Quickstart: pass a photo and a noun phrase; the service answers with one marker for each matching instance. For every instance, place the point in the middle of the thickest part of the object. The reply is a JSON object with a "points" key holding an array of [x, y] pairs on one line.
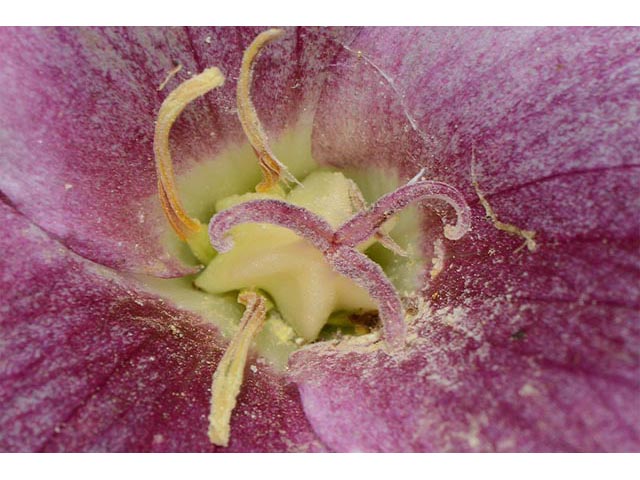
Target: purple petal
{"points": [[77, 115], [512, 351], [91, 363], [515, 351]]}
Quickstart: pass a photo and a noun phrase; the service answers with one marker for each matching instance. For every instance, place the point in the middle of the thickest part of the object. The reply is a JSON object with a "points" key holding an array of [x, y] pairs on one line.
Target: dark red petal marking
{"points": [[302, 221], [363, 225], [370, 276]]}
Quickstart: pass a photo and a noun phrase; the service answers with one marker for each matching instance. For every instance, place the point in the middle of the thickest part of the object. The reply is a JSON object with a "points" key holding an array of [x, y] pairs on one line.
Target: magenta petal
{"points": [[77, 118], [513, 351], [90, 363]]}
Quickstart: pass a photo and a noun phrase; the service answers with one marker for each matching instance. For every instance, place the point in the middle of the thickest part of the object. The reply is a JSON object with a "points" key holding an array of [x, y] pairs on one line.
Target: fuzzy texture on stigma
{"points": [[336, 243]]}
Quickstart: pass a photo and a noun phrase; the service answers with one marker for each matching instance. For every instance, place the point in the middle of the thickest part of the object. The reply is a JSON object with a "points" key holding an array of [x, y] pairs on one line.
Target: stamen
{"points": [[171, 217], [364, 224], [228, 376], [184, 225], [272, 168]]}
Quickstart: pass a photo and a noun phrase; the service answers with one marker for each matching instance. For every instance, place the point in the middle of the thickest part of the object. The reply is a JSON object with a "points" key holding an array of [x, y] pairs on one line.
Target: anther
{"points": [[228, 376], [272, 169], [184, 225]]}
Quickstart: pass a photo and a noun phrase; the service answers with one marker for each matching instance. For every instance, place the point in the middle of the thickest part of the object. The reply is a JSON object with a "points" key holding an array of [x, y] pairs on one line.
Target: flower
{"points": [[509, 348]]}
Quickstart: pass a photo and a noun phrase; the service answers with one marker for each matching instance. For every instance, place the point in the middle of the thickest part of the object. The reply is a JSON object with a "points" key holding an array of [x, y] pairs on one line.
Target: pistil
{"points": [[339, 246]]}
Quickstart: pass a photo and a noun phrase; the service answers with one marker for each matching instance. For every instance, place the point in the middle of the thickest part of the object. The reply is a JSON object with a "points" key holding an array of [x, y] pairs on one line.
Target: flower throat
{"points": [[295, 247]]}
